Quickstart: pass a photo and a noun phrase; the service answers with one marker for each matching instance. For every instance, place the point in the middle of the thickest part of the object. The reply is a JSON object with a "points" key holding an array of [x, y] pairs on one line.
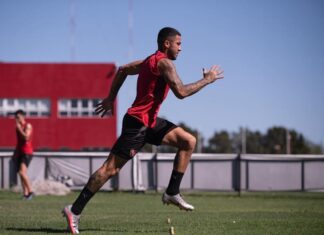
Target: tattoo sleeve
{"points": [[181, 90], [96, 181]]}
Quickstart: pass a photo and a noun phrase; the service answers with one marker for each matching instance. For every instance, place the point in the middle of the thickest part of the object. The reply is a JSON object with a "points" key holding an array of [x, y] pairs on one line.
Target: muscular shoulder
{"points": [[165, 65]]}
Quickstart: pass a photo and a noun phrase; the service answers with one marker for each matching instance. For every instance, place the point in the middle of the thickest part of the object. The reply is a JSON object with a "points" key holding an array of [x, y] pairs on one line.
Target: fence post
{"points": [[303, 175], [2, 173], [155, 165], [46, 168], [239, 173], [247, 175], [192, 184], [90, 166]]}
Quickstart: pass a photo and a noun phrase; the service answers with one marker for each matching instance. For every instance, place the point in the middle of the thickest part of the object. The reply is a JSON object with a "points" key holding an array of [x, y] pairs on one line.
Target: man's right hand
{"points": [[106, 106], [18, 125], [213, 74]]}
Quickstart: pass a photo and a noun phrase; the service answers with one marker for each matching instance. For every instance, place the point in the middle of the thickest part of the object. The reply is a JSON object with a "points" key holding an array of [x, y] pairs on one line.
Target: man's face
{"points": [[20, 118], [173, 45]]}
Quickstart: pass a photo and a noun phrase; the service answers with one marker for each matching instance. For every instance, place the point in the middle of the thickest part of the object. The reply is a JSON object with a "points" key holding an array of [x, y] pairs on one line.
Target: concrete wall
{"points": [[216, 172]]}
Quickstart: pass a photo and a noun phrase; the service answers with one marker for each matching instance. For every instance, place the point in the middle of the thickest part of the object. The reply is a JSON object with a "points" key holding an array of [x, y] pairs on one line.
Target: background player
{"points": [[24, 151]]}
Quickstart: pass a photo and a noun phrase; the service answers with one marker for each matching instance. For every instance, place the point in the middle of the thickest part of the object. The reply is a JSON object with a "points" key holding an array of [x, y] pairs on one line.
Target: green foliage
{"points": [[274, 141], [220, 142], [255, 142], [298, 143]]}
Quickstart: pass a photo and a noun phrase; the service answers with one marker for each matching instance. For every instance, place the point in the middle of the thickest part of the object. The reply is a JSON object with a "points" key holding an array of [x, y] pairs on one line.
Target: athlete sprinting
{"points": [[141, 124]]}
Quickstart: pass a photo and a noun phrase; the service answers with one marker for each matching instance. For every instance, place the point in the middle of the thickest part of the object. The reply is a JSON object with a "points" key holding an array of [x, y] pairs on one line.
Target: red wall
{"points": [[55, 81]]}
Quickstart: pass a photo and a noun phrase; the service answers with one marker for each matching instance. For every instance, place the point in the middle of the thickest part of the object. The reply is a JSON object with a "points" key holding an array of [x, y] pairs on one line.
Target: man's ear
{"points": [[167, 44]]}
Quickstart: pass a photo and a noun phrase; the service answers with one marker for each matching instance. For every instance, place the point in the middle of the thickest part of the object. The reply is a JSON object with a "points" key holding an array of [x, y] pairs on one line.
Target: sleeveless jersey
{"points": [[24, 146], [151, 91]]}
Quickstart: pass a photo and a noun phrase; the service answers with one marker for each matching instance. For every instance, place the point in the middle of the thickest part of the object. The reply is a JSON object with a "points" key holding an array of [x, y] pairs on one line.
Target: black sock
{"points": [[174, 184], [81, 201]]}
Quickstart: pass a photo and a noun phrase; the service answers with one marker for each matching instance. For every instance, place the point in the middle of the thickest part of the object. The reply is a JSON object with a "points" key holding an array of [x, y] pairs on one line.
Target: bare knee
{"points": [[192, 142], [189, 143], [21, 172]]}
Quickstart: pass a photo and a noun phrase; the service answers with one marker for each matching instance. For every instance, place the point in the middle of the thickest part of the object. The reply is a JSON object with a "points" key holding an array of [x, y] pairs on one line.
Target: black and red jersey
{"points": [[151, 91]]}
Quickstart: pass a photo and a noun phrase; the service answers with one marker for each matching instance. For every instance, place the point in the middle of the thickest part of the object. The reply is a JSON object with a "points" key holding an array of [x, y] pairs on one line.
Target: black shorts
{"points": [[20, 158], [135, 135]]}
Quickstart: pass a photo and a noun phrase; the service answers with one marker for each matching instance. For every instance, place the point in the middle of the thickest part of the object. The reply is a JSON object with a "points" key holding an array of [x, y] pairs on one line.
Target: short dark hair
{"points": [[165, 33], [20, 111]]}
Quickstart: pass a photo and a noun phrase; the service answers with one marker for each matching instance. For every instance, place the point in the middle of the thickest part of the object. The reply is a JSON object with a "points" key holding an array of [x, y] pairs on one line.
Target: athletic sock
{"points": [[174, 184], [81, 201]]}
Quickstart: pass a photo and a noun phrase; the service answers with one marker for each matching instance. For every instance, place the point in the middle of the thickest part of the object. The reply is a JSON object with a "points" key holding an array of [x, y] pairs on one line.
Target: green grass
{"points": [[128, 213]]}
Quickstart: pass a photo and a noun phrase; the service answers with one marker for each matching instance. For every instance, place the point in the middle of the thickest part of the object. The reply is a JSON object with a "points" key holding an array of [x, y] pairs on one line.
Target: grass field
{"points": [[129, 213]]}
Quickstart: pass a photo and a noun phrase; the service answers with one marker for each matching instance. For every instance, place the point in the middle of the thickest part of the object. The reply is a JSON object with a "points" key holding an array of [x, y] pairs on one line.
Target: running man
{"points": [[24, 152], [141, 124]]}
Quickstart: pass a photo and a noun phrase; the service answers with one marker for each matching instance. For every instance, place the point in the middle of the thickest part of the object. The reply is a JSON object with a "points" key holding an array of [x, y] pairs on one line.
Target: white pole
{"points": [[72, 30], [288, 138], [199, 142], [130, 29], [243, 132]]}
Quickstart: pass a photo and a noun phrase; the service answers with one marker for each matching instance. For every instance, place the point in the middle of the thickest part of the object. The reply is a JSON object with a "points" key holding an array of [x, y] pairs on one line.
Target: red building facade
{"points": [[59, 100]]}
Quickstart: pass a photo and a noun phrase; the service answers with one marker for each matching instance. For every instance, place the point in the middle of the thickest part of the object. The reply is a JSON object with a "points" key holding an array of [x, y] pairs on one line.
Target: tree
{"points": [[298, 143], [255, 142], [220, 143], [275, 140]]}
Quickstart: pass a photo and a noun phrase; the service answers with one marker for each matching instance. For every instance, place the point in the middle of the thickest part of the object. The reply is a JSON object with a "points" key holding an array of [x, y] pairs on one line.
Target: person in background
{"points": [[24, 152]]}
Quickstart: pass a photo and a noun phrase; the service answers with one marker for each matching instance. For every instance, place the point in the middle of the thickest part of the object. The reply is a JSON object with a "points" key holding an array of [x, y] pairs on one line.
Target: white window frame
{"points": [[66, 110], [32, 106]]}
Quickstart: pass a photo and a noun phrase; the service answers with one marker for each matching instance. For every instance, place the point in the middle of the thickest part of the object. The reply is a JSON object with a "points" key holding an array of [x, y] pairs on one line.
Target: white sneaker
{"points": [[176, 200], [72, 219]]}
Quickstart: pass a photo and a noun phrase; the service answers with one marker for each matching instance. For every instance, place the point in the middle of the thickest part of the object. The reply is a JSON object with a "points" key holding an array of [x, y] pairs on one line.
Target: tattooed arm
{"points": [[168, 72]]}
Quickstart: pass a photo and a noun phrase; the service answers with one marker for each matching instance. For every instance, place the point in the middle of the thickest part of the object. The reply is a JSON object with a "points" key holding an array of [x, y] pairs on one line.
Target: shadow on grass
{"points": [[53, 230], [48, 230]]}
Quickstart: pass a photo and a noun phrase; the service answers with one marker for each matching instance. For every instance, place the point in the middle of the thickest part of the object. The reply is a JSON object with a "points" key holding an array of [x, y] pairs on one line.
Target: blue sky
{"points": [[272, 53]]}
